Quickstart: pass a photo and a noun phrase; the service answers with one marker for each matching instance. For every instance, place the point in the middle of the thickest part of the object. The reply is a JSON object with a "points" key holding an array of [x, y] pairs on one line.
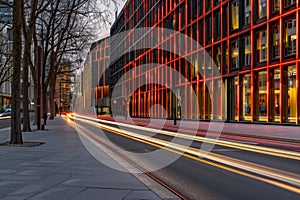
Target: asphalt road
{"points": [[5, 122], [201, 180]]}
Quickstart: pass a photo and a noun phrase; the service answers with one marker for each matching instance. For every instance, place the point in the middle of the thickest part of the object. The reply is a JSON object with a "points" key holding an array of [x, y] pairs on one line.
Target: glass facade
{"points": [[253, 44]]}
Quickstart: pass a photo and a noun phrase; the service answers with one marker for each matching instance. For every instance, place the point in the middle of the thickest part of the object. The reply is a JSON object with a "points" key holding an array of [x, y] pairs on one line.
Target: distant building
{"points": [[5, 56]]}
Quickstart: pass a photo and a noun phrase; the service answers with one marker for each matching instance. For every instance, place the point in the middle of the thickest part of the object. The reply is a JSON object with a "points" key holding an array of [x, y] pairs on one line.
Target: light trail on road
{"points": [[220, 142], [279, 178]]}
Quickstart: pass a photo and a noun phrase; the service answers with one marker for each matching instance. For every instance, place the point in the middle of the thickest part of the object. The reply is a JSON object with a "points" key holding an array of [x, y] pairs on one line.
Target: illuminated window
{"points": [[276, 93], [289, 3], [290, 37], [246, 54], [247, 12], [234, 15], [262, 76], [262, 8], [262, 46], [292, 94], [276, 5], [275, 42], [234, 54]]}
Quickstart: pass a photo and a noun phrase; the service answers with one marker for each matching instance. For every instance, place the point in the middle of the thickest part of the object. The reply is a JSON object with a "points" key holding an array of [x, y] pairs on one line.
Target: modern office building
{"points": [[253, 43], [93, 90]]}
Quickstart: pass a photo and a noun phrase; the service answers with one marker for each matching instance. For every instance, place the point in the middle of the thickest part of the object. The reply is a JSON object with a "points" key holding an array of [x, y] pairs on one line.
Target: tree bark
{"points": [[16, 134], [26, 60], [52, 102]]}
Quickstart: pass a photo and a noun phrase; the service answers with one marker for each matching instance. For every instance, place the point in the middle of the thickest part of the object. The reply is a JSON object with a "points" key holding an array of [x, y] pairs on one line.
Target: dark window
{"points": [[275, 42], [208, 4], [235, 54], [288, 3], [208, 30], [217, 26], [246, 51], [224, 20]]}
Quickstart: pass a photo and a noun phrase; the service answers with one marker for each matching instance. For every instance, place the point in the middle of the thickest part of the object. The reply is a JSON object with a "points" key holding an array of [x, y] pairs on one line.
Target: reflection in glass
{"points": [[275, 42], [290, 37], [246, 91], [276, 105], [262, 45]]}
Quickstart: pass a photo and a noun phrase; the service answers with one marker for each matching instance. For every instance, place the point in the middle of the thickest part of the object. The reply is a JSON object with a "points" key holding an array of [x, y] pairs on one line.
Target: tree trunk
{"points": [[16, 134], [26, 60], [52, 102]]}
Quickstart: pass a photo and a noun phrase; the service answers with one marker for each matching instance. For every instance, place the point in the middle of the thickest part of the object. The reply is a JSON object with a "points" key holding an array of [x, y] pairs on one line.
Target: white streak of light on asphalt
{"points": [[287, 180], [220, 142]]}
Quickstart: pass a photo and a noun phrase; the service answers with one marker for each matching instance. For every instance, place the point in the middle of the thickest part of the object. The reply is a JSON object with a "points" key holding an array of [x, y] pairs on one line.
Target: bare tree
{"points": [[66, 28]]}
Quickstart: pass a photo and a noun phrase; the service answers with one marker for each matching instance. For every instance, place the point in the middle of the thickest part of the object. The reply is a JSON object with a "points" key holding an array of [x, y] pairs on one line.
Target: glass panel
{"points": [[262, 95], [247, 16], [247, 52], [277, 94], [290, 37], [292, 94], [217, 59], [233, 83], [262, 8], [262, 46], [275, 42], [289, 2], [246, 92], [234, 54], [234, 15], [276, 5]]}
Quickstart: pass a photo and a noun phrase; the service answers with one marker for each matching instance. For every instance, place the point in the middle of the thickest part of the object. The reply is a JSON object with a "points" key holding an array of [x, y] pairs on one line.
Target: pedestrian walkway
{"points": [[62, 169]]}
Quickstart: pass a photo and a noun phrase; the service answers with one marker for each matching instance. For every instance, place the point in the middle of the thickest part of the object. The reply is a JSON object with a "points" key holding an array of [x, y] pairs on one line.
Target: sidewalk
{"points": [[61, 169]]}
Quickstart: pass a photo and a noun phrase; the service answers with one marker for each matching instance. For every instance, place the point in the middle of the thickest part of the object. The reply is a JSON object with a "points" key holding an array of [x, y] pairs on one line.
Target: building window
{"points": [[208, 30], [262, 8], [234, 15], [275, 42], [292, 94], [224, 20], [246, 53], [217, 59], [235, 54], [208, 4], [246, 96], [288, 3], [276, 5], [217, 26], [276, 94], [262, 46], [262, 76], [224, 58], [247, 15], [290, 37]]}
